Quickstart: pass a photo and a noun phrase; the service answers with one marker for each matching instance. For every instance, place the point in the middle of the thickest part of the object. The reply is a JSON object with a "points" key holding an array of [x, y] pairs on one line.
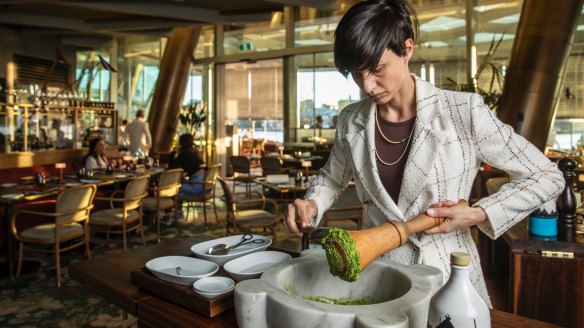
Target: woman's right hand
{"points": [[299, 215]]}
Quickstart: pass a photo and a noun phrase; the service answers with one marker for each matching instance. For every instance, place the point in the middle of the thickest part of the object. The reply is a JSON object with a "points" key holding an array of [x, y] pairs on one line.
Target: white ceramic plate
{"points": [[8, 185], [191, 269], [252, 265], [213, 286], [286, 186], [13, 196], [201, 249], [72, 184], [277, 178]]}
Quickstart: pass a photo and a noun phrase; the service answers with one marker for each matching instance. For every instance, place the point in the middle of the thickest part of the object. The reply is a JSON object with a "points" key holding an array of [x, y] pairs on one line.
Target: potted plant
{"points": [[191, 118]]}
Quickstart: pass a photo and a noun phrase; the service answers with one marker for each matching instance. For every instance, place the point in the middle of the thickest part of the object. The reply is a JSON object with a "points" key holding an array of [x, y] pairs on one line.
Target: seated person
{"points": [[188, 159], [95, 158]]}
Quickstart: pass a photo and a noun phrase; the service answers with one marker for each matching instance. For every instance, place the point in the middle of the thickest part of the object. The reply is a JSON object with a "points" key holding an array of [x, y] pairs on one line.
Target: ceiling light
{"points": [[442, 24], [501, 5], [511, 19]]}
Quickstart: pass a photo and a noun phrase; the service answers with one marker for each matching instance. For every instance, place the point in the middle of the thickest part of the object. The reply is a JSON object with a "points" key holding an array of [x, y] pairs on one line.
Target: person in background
{"points": [[334, 122], [318, 123], [413, 148], [95, 158], [138, 134], [188, 158], [123, 140], [57, 135]]}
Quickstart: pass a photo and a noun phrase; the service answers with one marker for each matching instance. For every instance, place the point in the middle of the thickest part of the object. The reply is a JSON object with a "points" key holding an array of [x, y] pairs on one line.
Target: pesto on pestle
{"points": [[347, 244]]}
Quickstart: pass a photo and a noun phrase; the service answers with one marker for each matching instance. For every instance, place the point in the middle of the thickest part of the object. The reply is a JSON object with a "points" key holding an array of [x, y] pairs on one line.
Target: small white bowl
{"points": [[252, 266], [213, 286], [192, 269]]}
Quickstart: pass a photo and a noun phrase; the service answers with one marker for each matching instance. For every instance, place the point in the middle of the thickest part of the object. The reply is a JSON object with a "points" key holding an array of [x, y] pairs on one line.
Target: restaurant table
{"points": [[283, 188], [109, 277]]}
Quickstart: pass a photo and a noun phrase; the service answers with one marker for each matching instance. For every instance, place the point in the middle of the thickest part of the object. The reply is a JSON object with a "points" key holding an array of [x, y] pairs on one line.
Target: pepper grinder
{"points": [[567, 202]]}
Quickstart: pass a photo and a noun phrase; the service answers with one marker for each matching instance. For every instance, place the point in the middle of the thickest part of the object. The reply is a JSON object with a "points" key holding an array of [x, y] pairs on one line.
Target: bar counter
{"points": [[109, 277]]}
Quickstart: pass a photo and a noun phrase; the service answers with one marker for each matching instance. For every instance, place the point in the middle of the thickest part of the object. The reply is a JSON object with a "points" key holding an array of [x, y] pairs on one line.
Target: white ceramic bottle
{"points": [[457, 303]]}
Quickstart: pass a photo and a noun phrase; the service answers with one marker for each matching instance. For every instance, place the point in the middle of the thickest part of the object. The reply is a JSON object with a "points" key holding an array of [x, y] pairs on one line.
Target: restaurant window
{"points": [[314, 27], [198, 95], [321, 91], [93, 80], [138, 68], [253, 100], [206, 44], [440, 56], [567, 132], [255, 37]]}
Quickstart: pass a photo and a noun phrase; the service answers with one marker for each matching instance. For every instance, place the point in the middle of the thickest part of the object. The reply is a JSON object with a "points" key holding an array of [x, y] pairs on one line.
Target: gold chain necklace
{"points": [[402, 154], [386, 138]]}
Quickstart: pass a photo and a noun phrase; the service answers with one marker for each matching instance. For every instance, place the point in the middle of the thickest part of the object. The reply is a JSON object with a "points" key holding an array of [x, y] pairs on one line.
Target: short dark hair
{"points": [[368, 29], [140, 113], [186, 140]]}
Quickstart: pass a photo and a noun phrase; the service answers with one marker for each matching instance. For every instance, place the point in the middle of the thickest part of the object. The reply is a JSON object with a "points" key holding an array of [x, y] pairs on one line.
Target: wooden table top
{"points": [[520, 241], [109, 277], [282, 187]]}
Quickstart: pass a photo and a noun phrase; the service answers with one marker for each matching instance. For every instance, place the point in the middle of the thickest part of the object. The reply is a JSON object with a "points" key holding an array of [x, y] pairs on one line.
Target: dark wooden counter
{"points": [[543, 287], [540, 287], [109, 277]]}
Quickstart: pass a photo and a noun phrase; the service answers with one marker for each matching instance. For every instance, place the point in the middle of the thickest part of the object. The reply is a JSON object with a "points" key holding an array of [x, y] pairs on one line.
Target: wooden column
{"points": [[170, 87], [536, 71]]}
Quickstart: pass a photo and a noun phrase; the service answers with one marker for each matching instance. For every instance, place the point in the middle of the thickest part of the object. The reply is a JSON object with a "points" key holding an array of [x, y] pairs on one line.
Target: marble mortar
{"points": [[277, 299]]}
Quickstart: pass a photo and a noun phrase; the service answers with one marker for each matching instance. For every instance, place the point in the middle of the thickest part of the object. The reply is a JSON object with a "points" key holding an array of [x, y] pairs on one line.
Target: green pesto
{"points": [[290, 288], [343, 300], [335, 260]]}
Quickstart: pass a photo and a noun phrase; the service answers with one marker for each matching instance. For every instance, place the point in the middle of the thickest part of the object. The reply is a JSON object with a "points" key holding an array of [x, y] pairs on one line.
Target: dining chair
{"points": [[128, 217], [208, 195], [164, 202], [271, 165], [68, 230], [240, 214], [241, 166], [346, 212]]}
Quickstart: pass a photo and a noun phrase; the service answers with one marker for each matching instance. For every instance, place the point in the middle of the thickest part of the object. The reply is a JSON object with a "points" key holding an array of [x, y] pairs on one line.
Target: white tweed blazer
{"points": [[454, 133]]}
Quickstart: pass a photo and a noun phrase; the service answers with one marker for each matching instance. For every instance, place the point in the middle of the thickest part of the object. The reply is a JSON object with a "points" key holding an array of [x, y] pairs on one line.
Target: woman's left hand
{"points": [[457, 214]]}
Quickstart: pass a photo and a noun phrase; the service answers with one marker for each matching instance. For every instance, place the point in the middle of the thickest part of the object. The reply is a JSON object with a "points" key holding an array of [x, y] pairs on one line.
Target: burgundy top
{"points": [[392, 175]]}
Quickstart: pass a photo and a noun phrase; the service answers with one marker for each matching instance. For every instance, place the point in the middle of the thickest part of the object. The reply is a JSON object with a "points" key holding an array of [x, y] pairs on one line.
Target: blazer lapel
{"points": [[362, 144], [426, 145]]}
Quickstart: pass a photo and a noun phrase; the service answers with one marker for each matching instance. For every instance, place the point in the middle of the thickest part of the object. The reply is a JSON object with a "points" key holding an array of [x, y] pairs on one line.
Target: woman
{"points": [[95, 159], [414, 148], [188, 159]]}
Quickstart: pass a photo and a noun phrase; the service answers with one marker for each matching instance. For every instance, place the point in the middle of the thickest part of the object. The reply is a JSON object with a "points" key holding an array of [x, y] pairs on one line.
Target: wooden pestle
{"points": [[373, 242]]}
